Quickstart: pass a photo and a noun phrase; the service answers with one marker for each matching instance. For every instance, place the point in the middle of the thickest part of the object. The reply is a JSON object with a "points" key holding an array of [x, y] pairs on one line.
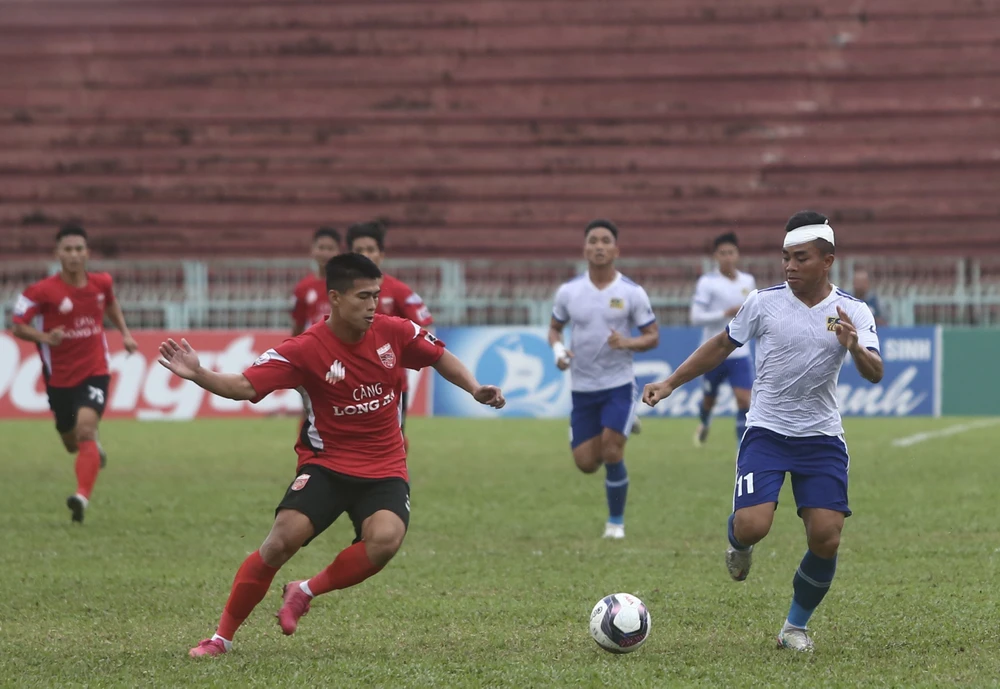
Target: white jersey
{"points": [[713, 296], [798, 358], [593, 314]]}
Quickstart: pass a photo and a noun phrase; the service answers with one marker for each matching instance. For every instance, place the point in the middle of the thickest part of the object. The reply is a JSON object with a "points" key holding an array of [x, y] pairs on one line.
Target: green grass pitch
{"points": [[502, 564]]}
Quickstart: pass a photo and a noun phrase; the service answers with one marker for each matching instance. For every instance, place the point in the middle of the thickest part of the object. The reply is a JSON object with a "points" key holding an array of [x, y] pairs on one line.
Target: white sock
{"points": [[306, 590], [788, 625], [228, 644], [82, 499]]}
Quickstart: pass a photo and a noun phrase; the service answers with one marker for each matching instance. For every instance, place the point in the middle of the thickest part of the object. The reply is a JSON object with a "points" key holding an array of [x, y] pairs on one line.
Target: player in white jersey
{"points": [[603, 307], [717, 297], [804, 329]]}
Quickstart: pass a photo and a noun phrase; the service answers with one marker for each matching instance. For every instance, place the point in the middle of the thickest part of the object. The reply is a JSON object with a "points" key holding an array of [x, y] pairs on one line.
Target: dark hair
{"points": [[727, 238], [803, 218], [342, 270], [601, 222], [70, 231], [329, 232], [373, 230]]}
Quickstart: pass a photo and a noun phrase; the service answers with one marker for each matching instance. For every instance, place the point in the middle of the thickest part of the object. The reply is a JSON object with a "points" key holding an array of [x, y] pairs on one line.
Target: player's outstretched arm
{"points": [[183, 361], [455, 372], [704, 359]]}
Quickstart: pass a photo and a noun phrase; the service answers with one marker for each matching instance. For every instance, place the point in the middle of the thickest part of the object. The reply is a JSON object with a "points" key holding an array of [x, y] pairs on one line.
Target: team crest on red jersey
{"points": [[300, 482], [386, 355]]}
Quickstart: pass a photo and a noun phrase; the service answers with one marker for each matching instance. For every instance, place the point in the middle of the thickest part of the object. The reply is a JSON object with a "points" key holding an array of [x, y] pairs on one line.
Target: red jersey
{"points": [[310, 304], [397, 299], [51, 303], [354, 427]]}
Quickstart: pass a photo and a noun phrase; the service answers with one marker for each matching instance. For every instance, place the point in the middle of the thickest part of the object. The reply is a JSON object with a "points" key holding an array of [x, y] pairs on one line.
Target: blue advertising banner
{"points": [[519, 360]]}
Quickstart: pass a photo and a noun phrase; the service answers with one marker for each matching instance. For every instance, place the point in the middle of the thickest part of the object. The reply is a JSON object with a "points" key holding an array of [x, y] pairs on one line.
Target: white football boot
{"points": [[795, 639], [614, 531]]}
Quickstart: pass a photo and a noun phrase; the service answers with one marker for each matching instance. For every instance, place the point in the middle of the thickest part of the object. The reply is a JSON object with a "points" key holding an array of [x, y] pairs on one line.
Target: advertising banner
{"points": [[142, 389], [520, 361]]}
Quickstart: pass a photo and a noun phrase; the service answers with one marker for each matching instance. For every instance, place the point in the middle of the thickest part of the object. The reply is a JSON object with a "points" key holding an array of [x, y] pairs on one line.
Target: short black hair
{"points": [[727, 238], [803, 218], [329, 232], [373, 230], [342, 270], [70, 231], [601, 222]]}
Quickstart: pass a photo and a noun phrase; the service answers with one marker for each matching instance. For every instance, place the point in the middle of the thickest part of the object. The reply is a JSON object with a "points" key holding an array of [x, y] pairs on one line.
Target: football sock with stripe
{"points": [[616, 486], [809, 585]]}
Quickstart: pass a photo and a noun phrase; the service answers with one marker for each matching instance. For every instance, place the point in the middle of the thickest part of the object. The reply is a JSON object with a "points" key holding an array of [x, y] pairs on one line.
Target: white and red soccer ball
{"points": [[620, 623]]}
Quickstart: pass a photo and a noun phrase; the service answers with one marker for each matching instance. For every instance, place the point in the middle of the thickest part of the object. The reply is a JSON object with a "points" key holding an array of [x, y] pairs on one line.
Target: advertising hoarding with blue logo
{"points": [[519, 360]]}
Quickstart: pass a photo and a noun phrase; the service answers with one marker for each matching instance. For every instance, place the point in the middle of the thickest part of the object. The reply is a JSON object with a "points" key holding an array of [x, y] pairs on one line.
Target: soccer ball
{"points": [[620, 623]]}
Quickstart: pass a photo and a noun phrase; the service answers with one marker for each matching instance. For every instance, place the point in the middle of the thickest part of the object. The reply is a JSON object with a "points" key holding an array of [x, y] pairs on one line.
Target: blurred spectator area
{"points": [[184, 128]]}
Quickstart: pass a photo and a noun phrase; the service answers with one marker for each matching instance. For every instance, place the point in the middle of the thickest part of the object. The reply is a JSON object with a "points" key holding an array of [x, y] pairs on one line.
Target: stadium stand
{"points": [[214, 129]]}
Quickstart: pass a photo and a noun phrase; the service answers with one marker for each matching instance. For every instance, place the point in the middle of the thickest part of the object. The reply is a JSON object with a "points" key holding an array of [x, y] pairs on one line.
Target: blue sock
{"points": [[732, 538], [811, 582], [705, 415], [616, 485], [741, 423]]}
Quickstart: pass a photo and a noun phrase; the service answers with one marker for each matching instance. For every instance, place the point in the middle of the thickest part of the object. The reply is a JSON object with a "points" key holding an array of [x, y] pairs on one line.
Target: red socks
{"points": [[253, 579], [350, 568], [88, 464]]}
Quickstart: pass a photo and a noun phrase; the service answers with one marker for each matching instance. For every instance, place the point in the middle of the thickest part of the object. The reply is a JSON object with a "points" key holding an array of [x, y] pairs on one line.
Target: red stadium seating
{"points": [[182, 128]]}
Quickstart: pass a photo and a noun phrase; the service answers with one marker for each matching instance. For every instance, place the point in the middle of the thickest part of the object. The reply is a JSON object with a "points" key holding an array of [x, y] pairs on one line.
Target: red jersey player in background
{"points": [[351, 459], [64, 315], [309, 303], [396, 298]]}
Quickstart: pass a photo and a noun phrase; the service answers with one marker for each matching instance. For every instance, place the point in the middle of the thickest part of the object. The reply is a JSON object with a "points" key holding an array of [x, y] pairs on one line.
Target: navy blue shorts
{"points": [[739, 373], [818, 465], [594, 411]]}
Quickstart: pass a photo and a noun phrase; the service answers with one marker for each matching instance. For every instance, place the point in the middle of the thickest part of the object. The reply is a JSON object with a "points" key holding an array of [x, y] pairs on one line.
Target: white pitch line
{"points": [[944, 432]]}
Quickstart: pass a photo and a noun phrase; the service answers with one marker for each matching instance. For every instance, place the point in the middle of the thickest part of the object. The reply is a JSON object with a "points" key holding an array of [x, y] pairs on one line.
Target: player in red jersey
{"points": [[350, 452], [64, 316], [396, 298], [309, 302]]}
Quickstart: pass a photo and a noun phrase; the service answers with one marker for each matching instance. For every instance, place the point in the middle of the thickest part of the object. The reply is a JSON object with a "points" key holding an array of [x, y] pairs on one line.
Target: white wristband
{"points": [[560, 351]]}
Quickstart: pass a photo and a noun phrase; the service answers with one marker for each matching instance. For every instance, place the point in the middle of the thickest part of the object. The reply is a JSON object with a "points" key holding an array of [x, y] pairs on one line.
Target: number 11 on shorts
{"points": [[740, 481]]}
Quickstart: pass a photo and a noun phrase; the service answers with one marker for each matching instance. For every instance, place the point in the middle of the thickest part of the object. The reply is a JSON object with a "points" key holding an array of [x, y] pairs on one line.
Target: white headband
{"points": [[808, 233]]}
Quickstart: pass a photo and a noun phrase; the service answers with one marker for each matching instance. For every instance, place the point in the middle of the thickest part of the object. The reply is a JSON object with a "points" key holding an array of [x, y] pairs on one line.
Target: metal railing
{"points": [[180, 295]]}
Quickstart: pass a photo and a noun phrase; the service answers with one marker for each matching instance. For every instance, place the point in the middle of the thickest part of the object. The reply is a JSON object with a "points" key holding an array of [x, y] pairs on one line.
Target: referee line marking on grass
{"points": [[944, 432]]}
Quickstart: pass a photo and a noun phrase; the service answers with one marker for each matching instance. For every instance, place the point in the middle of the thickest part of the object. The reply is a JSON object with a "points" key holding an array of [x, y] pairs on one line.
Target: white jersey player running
{"points": [[717, 297], [602, 307], [804, 329]]}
